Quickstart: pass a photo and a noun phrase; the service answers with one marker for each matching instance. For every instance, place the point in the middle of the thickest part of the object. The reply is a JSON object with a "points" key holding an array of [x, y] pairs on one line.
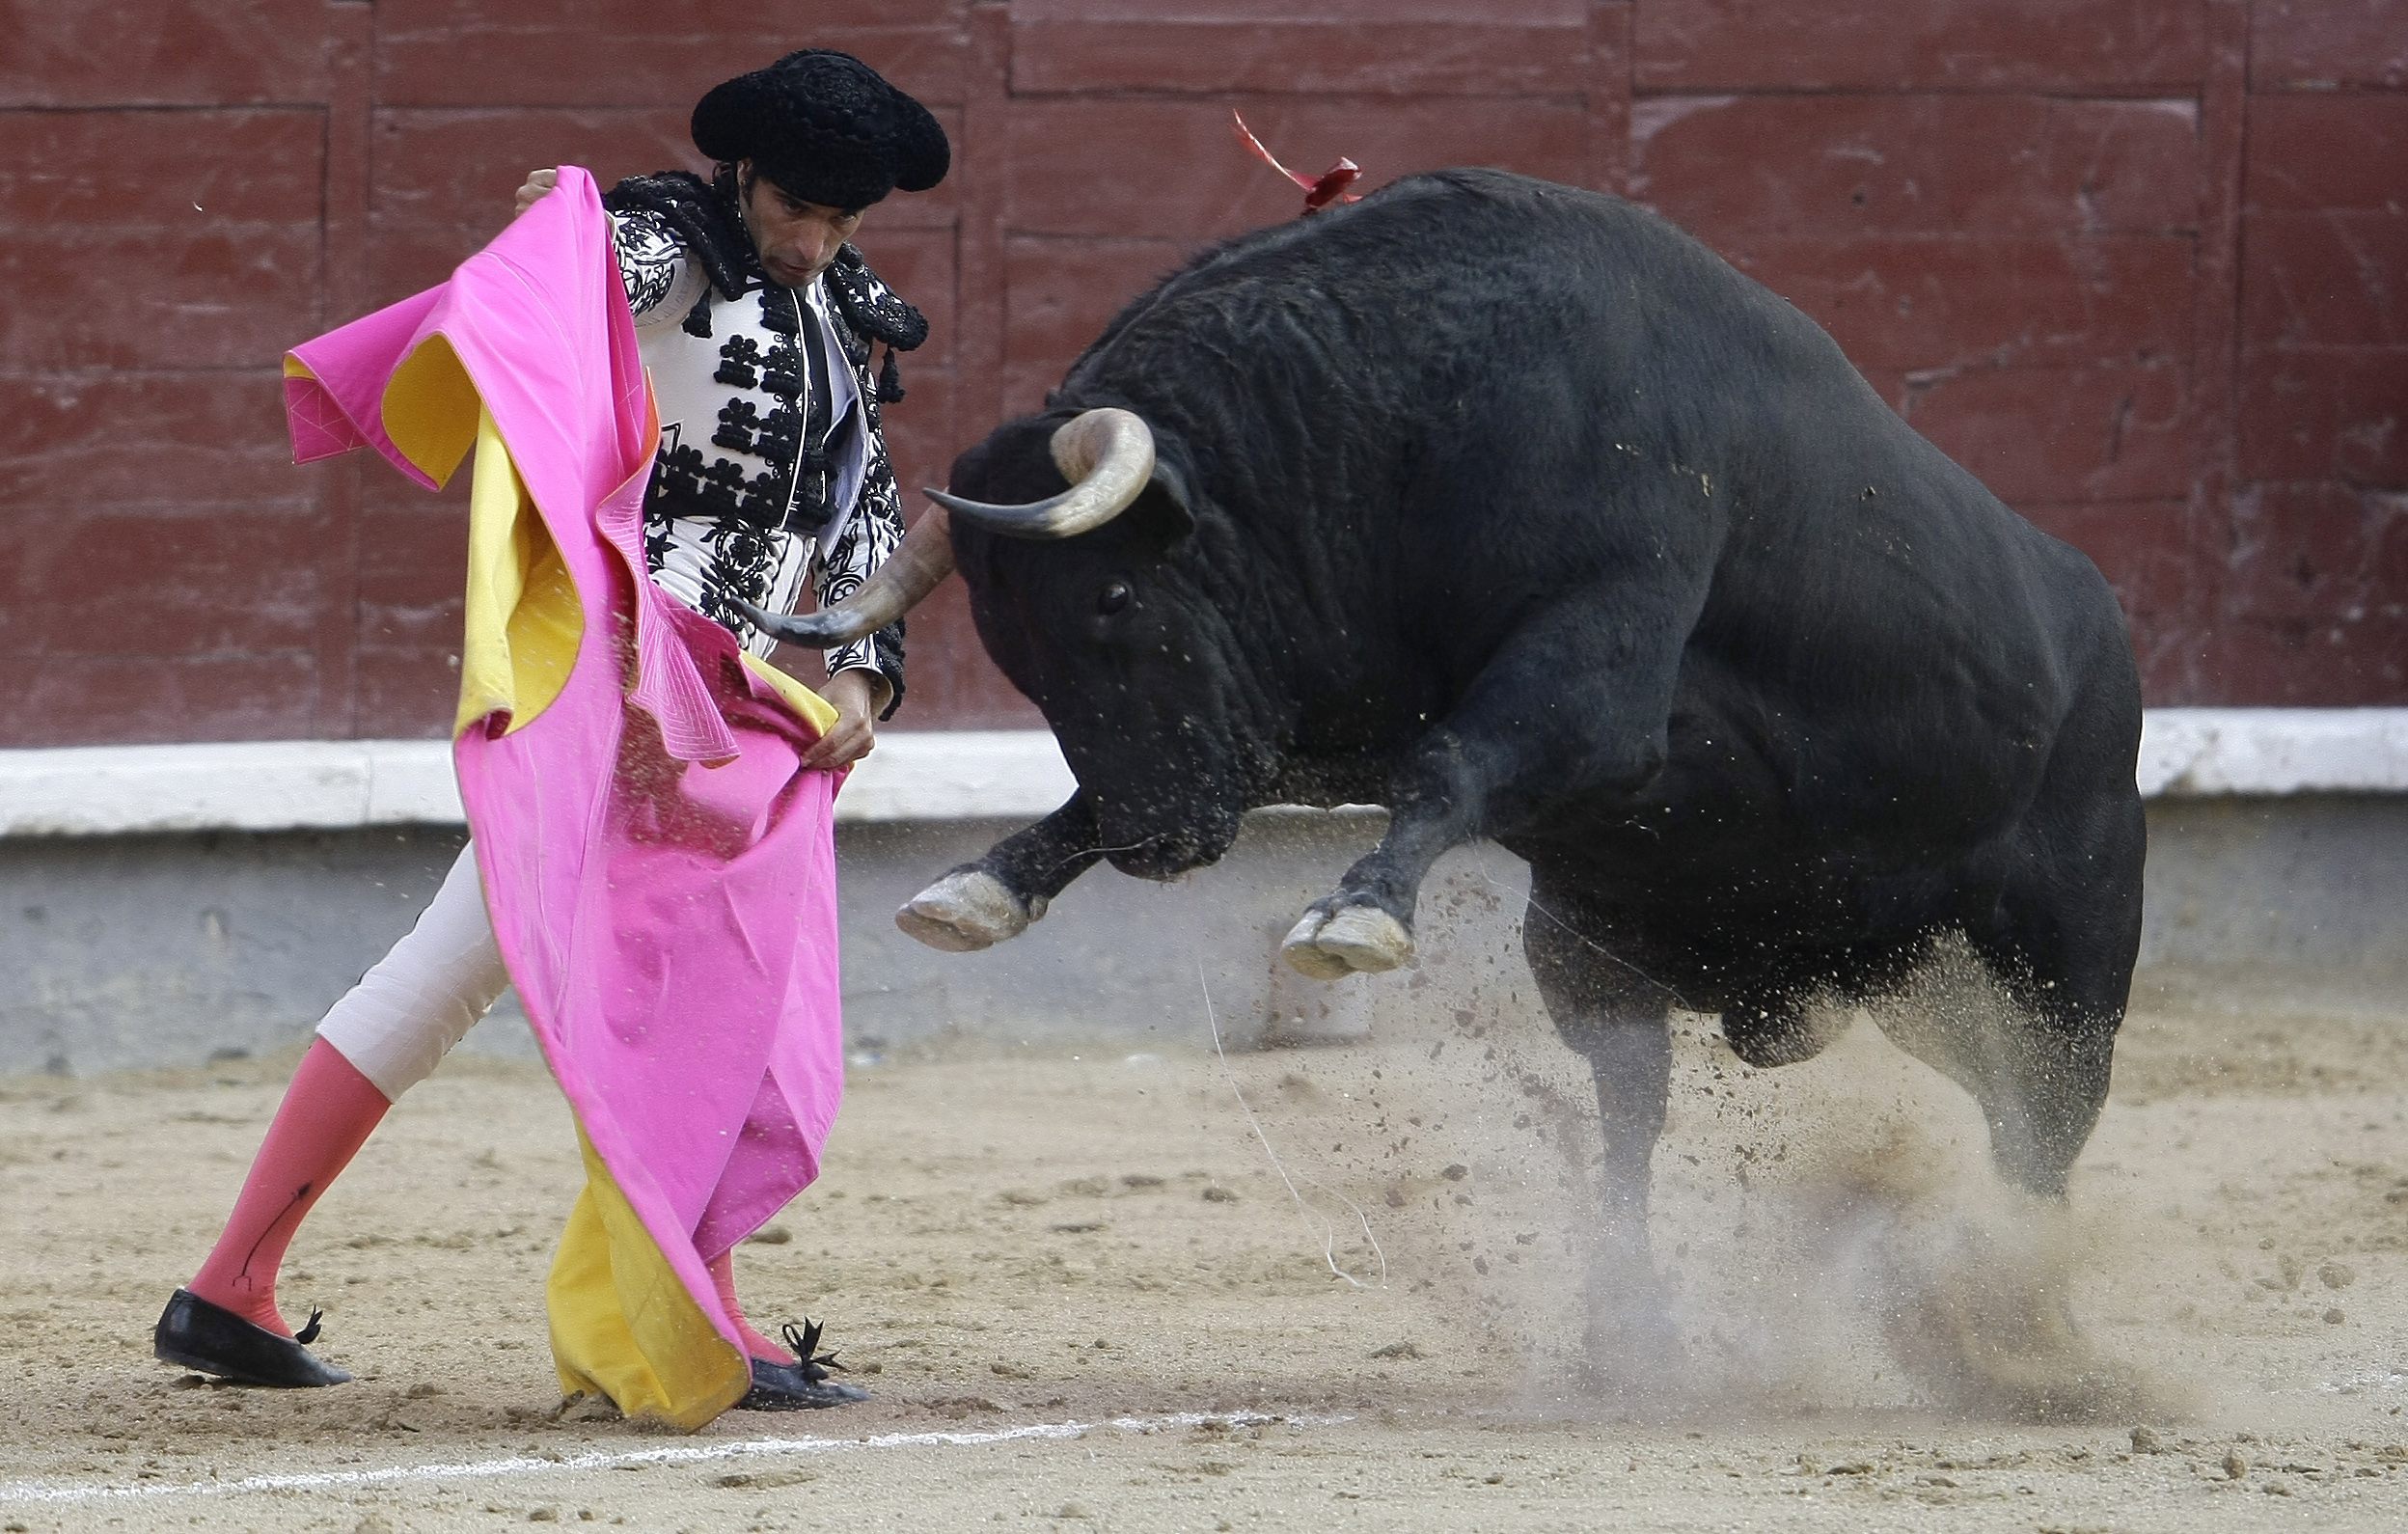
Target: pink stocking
{"points": [[325, 1117], [723, 1279]]}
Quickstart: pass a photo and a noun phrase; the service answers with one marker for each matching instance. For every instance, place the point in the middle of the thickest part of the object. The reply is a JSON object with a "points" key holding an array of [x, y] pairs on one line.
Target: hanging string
{"points": [[1312, 1216]]}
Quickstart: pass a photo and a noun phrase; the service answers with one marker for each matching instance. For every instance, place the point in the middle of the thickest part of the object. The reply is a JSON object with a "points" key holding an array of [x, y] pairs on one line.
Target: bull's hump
{"points": [[1418, 234]]}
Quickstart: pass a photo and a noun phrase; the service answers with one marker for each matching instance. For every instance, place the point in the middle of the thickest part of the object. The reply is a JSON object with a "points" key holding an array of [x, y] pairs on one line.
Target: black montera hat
{"points": [[824, 127]]}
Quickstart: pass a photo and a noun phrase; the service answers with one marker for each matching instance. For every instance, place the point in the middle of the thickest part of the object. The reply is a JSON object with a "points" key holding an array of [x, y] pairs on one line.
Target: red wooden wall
{"points": [[2143, 265]]}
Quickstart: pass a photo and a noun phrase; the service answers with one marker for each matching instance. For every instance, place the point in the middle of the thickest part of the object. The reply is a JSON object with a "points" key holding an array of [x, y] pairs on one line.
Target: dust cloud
{"points": [[1823, 1237]]}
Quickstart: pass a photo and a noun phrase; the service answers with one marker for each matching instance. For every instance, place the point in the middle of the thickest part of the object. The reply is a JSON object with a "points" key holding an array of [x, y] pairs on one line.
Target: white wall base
{"points": [[966, 775], [336, 784], [2209, 753]]}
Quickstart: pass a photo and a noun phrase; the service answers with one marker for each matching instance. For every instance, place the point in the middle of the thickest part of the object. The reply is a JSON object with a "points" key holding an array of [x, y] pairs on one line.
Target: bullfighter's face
{"points": [[1118, 636], [796, 241]]}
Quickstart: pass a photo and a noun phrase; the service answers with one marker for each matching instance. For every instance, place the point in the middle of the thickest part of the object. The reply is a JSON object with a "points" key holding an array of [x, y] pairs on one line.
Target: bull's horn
{"points": [[1108, 457], [924, 558]]}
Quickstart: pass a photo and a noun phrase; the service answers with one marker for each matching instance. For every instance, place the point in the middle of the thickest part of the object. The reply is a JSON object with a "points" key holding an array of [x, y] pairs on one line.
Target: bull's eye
{"points": [[1113, 598]]}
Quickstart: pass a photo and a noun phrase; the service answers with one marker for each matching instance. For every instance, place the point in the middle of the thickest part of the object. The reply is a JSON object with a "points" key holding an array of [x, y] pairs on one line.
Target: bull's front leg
{"points": [[1577, 703], [1367, 925], [980, 904]]}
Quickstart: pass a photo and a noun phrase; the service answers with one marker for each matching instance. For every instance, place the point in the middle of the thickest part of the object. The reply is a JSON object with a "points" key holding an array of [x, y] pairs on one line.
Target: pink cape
{"points": [[658, 864]]}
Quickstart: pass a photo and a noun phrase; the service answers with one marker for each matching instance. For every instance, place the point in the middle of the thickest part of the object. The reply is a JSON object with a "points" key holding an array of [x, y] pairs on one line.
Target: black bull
{"points": [[1514, 509]]}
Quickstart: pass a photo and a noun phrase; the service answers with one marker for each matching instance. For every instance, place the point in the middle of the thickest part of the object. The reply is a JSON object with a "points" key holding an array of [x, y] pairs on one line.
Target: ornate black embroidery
{"points": [[849, 340], [656, 541], [739, 425], [647, 259], [782, 434], [781, 371], [703, 215], [865, 305], [765, 499], [739, 363], [872, 307]]}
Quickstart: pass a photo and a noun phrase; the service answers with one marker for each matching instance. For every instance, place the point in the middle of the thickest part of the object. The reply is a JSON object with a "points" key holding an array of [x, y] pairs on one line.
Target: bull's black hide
{"points": [[1513, 508]]}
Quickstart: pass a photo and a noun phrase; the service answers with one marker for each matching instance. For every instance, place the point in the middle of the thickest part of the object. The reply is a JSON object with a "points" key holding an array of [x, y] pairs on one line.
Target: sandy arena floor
{"points": [[1014, 1248]]}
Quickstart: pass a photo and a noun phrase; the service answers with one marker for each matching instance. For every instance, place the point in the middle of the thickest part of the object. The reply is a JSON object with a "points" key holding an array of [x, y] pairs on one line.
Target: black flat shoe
{"points": [[802, 1386], [196, 1335]]}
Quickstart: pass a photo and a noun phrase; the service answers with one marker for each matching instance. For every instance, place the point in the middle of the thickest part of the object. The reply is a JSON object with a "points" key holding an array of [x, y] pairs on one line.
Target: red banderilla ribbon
{"points": [[1331, 186]]}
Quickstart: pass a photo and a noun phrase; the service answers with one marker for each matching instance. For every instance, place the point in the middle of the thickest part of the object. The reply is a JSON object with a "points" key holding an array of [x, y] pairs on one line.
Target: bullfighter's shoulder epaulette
{"points": [[876, 312], [703, 216]]}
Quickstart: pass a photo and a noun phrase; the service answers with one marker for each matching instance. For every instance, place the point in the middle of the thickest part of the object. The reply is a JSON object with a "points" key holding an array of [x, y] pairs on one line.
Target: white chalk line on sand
{"points": [[607, 1460]]}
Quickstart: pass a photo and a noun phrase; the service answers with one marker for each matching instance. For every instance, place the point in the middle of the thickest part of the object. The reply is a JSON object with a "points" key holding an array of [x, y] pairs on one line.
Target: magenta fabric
{"points": [[658, 864]]}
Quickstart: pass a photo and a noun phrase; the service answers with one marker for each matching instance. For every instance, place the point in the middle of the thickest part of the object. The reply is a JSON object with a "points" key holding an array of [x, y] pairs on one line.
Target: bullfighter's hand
{"points": [[531, 189], [855, 692]]}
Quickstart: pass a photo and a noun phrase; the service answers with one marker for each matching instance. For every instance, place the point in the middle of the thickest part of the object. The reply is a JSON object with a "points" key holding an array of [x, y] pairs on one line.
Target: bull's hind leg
{"points": [[2064, 940], [2065, 958], [1616, 1020], [2060, 946], [1574, 706]]}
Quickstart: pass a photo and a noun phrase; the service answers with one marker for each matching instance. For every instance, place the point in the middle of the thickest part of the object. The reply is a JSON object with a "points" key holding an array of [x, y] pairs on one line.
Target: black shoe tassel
{"points": [[805, 1341]]}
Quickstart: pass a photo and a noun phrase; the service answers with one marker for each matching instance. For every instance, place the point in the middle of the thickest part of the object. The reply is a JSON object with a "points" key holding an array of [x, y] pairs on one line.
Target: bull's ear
{"points": [[1165, 510]]}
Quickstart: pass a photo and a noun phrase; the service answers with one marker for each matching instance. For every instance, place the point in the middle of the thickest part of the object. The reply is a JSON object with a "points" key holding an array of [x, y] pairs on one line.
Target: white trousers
{"points": [[405, 1014]]}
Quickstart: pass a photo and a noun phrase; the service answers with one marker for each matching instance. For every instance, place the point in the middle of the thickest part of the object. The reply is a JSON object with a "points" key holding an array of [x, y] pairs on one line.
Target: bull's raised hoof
{"points": [[968, 909], [1330, 945]]}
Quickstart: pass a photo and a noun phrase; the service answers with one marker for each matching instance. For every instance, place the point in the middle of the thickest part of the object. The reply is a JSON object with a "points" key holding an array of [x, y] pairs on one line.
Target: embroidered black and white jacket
{"points": [[772, 467]]}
